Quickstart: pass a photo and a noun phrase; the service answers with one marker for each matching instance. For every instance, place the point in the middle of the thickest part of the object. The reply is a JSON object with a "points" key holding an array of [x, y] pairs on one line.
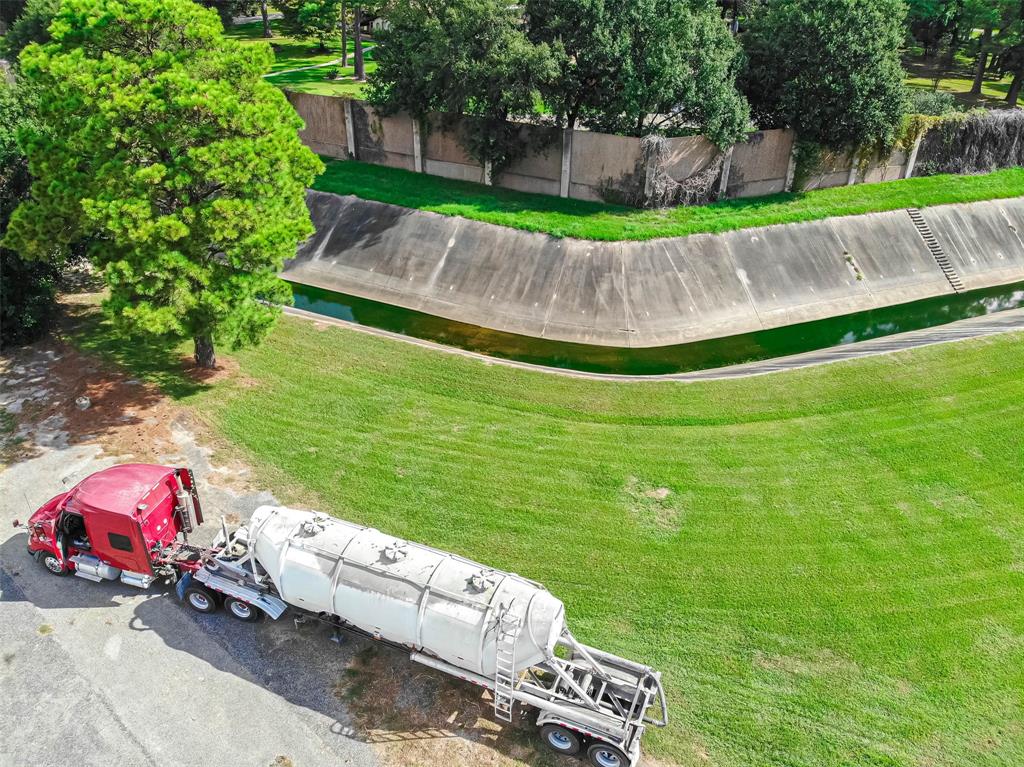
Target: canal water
{"points": [[719, 352]]}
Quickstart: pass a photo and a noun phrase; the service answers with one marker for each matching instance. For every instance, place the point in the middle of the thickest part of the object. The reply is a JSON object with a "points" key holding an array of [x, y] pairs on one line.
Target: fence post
{"points": [[350, 131], [417, 147], [723, 183], [563, 180], [487, 173], [912, 157]]}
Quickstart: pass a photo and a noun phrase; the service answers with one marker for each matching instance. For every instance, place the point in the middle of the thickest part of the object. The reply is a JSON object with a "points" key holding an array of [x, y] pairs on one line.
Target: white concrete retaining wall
{"points": [[652, 293]]}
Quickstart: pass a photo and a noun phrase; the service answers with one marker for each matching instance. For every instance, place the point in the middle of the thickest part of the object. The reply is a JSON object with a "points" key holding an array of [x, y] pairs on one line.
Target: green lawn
{"points": [[291, 53], [957, 78], [597, 221], [836, 576]]}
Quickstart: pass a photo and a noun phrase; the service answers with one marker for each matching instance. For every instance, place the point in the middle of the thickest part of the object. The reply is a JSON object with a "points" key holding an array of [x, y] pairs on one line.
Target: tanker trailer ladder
{"points": [[505, 666]]}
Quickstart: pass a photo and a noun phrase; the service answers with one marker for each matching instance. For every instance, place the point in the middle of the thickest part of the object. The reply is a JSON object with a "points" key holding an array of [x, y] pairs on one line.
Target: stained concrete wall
{"points": [[760, 165], [325, 131], [653, 293], [599, 161]]}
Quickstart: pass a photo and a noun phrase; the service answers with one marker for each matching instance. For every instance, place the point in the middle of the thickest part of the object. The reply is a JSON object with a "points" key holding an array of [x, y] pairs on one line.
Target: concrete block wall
{"points": [[579, 164], [760, 165], [444, 156], [598, 160], [325, 132]]}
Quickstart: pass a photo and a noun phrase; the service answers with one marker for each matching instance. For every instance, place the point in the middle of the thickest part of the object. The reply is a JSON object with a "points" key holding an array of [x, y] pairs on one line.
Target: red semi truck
{"points": [[126, 522]]}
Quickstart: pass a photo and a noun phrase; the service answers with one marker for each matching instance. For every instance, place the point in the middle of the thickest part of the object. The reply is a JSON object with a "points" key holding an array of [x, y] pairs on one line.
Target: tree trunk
{"points": [[357, 34], [979, 70], [205, 358], [266, 19], [1018, 80], [344, 33]]}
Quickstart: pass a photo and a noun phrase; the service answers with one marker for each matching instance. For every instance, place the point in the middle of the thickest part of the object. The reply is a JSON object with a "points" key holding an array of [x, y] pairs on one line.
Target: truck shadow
{"points": [[413, 715]]}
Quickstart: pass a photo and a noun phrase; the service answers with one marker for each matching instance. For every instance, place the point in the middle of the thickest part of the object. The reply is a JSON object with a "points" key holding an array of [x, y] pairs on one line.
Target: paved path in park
{"points": [[974, 327]]}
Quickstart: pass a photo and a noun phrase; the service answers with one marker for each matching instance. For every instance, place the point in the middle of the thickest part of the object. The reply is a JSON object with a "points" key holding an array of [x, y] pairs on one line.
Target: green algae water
{"points": [[660, 360]]}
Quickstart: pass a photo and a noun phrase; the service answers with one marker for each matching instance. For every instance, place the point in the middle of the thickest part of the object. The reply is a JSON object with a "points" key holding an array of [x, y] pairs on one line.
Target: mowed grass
{"points": [[827, 565], [292, 53], [598, 221], [957, 78]]}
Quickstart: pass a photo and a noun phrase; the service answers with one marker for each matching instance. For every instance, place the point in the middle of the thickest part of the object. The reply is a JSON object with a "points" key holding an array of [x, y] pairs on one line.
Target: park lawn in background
{"points": [[316, 80], [826, 564], [291, 53], [598, 221], [956, 78]]}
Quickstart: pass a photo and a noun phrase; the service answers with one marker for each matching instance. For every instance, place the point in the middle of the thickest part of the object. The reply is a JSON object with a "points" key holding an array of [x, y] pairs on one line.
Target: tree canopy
{"points": [[317, 20], [830, 69], [27, 288], [31, 26], [170, 153], [634, 67], [462, 57], [642, 66]]}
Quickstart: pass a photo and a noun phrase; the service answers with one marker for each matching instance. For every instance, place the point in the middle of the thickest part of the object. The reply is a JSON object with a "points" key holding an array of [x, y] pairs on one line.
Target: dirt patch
{"points": [[655, 507], [414, 716], [124, 415]]}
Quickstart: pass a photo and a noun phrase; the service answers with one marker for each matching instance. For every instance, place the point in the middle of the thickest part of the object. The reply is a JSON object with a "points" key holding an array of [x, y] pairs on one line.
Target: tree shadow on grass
{"points": [[157, 360]]}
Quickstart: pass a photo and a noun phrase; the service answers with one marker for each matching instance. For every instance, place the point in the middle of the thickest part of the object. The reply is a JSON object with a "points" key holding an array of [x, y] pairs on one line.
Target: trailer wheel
{"points": [[243, 611], [201, 599], [49, 560], [604, 755], [560, 739]]}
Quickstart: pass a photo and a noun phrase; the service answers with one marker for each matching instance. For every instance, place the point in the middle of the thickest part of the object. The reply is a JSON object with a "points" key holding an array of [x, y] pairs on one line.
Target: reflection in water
{"points": [[764, 344]]}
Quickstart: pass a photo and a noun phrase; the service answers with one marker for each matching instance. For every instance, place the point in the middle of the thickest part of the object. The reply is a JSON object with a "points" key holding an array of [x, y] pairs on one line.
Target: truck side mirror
{"points": [[17, 523]]}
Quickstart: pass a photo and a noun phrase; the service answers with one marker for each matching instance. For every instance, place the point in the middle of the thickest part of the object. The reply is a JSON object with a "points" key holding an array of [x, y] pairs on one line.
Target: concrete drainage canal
{"points": [[663, 360]]}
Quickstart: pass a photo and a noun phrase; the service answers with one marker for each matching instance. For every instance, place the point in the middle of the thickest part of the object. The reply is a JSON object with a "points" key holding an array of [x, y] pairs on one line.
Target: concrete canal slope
{"points": [[657, 292]]}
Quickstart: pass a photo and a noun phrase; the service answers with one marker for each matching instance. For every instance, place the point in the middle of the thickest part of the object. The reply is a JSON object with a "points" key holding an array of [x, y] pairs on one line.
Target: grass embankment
{"points": [[598, 221], [291, 53], [828, 565]]}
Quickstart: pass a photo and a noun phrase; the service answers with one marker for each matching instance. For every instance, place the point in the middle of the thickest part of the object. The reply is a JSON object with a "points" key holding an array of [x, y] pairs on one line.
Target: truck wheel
{"points": [[560, 739], [200, 599], [49, 560], [243, 611], [604, 755]]}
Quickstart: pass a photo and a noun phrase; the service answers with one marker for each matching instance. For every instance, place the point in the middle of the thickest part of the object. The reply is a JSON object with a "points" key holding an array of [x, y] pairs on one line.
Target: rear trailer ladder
{"points": [[505, 666]]}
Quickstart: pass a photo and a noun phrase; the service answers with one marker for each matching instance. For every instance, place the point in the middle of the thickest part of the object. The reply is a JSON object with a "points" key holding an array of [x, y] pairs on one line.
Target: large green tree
{"points": [[642, 66], [312, 19], [167, 149], [462, 57], [677, 73], [830, 69], [588, 49]]}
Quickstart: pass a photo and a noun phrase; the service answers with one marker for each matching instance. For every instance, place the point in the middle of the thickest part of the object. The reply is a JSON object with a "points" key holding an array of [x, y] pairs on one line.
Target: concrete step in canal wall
{"points": [[658, 292]]}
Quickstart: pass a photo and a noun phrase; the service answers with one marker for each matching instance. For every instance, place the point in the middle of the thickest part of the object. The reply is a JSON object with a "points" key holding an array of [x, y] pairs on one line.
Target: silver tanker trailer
{"points": [[492, 628]]}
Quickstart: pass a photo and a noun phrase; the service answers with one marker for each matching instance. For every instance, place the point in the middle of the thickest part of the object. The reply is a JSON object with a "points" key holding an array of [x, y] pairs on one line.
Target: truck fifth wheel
{"points": [[492, 628]]}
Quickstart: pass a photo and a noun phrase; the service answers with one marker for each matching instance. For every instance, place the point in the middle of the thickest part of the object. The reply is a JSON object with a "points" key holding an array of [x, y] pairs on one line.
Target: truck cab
{"points": [[116, 523]]}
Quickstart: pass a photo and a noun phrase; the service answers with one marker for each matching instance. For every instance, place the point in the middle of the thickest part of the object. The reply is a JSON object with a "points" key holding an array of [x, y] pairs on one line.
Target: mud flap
{"points": [[186, 579]]}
